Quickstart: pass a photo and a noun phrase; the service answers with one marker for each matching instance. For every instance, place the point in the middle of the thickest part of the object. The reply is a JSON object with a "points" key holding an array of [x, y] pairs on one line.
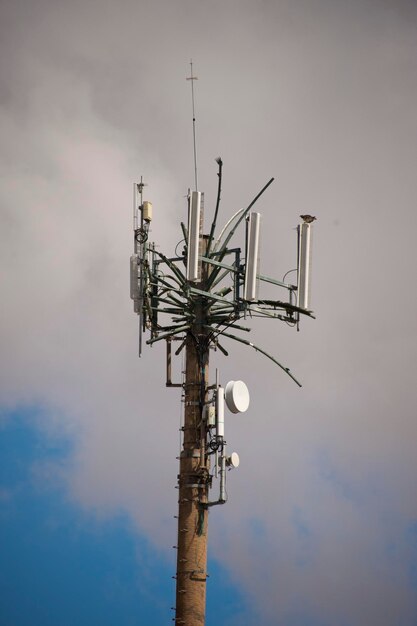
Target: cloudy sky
{"points": [[321, 524]]}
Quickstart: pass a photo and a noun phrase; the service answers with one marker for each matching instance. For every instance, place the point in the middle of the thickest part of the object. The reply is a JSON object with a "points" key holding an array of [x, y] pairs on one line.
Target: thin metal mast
{"points": [[192, 78]]}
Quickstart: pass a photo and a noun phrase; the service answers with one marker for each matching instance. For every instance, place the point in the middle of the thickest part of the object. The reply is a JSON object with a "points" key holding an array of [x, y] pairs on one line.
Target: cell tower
{"points": [[194, 301]]}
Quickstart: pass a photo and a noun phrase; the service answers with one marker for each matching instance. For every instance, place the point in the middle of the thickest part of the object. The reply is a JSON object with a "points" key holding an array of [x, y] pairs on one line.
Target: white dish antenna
{"points": [[237, 396], [233, 460]]}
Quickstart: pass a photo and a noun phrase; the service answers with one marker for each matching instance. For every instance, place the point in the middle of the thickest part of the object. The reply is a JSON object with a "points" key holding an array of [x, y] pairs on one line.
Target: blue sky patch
{"points": [[63, 567]]}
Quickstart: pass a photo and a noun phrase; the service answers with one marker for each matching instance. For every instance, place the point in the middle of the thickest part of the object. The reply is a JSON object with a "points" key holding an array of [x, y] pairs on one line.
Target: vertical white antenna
{"points": [[220, 411], [194, 227], [192, 78], [304, 265], [250, 291]]}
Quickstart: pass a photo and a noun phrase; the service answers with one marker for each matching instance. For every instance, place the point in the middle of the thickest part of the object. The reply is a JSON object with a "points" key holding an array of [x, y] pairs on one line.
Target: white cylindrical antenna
{"points": [[193, 265], [220, 412], [147, 211], [304, 265], [251, 287]]}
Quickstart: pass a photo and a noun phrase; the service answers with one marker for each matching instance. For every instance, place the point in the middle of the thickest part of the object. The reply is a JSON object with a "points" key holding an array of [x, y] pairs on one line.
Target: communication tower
{"points": [[193, 301]]}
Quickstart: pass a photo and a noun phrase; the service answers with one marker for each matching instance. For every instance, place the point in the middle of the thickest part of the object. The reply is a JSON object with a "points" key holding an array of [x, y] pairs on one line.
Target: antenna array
{"points": [[171, 302]]}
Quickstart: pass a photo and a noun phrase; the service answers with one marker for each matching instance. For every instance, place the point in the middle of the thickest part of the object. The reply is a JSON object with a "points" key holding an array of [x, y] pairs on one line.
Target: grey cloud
{"points": [[320, 94]]}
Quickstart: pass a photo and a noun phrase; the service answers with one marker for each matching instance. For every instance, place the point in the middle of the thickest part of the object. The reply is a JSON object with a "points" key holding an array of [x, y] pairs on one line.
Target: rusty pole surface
{"points": [[193, 495], [193, 479]]}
